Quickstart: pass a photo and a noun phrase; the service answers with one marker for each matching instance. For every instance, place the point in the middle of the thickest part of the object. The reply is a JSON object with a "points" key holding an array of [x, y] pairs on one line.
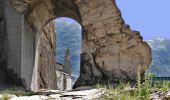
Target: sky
{"points": [[150, 17], [68, 20]]}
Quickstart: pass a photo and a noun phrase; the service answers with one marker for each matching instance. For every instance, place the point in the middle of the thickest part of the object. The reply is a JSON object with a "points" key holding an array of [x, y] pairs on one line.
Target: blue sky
{"points": [[150, 17], [69, 20]]}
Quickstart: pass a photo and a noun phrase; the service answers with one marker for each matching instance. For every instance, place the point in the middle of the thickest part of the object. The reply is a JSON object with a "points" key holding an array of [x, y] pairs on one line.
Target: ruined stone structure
{"points": [[64, 81], [46, 58], [110, 49], [2, 46], [63, 73], [67, 64]]}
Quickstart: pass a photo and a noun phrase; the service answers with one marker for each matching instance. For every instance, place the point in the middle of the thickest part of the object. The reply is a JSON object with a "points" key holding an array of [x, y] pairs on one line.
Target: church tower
{"points": [[67, 65]]}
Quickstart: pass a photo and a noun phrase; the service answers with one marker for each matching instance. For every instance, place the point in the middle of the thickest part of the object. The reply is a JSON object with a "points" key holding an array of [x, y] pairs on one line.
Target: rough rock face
{"points": [[2, 39], [2, 47], [46, 63], [111, 50], [8, 78]]}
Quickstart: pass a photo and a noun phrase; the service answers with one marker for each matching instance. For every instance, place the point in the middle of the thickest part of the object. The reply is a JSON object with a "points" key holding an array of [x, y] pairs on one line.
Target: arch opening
{"points": [[48, 55], [68, 39], [61, 40]]}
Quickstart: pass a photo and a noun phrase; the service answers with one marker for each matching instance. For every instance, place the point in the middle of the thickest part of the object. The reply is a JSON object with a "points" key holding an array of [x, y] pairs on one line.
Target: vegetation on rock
{"points": [[140, 91]]}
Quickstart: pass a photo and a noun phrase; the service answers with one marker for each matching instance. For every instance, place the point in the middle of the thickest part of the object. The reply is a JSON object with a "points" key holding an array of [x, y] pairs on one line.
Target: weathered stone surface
{"points": [[8, 78], [46, 63], [2, 47], [72, 95], [64, 82], [159, 95], [111, 50]]}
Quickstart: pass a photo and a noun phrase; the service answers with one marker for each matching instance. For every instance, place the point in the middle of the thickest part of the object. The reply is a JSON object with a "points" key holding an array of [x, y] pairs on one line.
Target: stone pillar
{"points": [[46, 60], [14, 36], [3, 40], [3, 46]]}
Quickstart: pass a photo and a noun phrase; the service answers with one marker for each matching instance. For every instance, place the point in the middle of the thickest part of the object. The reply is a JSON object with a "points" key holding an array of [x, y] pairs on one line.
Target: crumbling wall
{"points": [[110, 49], [47, 62]]}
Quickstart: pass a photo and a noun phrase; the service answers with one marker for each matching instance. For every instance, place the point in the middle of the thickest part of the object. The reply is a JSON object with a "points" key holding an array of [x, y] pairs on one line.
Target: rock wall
{"points": [[14, 36], [110, 49], [20, 40], [2, 48], [3, 38], [46, 63], [10, 41], [28, 43]]}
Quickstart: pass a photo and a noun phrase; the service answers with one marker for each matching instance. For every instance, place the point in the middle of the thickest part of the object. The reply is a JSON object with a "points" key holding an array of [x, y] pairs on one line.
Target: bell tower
{"points": [[67, 64]]}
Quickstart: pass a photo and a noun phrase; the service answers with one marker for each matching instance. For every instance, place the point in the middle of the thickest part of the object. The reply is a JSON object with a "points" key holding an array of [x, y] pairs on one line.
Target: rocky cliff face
{"points": [[47, 63], [2, 48], [8, 78], [111, 50], [2, 39]]}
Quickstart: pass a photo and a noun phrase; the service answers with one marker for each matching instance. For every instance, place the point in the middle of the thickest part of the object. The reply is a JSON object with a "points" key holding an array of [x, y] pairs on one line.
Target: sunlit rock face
{"points": [[110, 49], [46, 62]]}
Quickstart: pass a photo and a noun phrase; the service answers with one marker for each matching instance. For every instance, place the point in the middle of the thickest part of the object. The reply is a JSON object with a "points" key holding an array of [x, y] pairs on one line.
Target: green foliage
{"points": [[162, 85], [18, 93], [5, 96], [141, 91]]}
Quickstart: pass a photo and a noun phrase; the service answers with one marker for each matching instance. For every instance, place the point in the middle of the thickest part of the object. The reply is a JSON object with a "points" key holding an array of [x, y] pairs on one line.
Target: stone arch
{"points": [[70, 10], [46, 57], [111, 50]]}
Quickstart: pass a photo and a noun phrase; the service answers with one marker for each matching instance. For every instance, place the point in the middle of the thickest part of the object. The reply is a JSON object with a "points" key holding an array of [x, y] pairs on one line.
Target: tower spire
{"points": [[67, 65], [67, 53]]}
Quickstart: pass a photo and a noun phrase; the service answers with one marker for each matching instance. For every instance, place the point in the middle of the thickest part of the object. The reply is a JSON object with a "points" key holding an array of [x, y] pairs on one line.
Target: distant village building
{"points": [[63, 73]]}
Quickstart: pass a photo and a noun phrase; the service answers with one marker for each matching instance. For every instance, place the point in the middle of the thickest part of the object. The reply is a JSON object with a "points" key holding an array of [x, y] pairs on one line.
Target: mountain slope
{"points": [[161, 56], [69, 36]]}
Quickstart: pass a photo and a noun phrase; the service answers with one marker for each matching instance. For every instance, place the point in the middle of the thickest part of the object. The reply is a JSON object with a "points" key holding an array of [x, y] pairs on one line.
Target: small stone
{"points": [[55, 96]]}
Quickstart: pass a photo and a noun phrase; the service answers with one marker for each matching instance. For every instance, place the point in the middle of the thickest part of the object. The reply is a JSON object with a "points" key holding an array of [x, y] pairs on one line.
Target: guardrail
{"points": [[160, 78]]}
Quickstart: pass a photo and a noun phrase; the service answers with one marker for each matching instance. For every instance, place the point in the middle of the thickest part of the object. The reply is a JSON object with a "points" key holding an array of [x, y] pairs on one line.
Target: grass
{"points": [[18, 93], [123, 91], [7, 94], [5, 97], [141, 91]]}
